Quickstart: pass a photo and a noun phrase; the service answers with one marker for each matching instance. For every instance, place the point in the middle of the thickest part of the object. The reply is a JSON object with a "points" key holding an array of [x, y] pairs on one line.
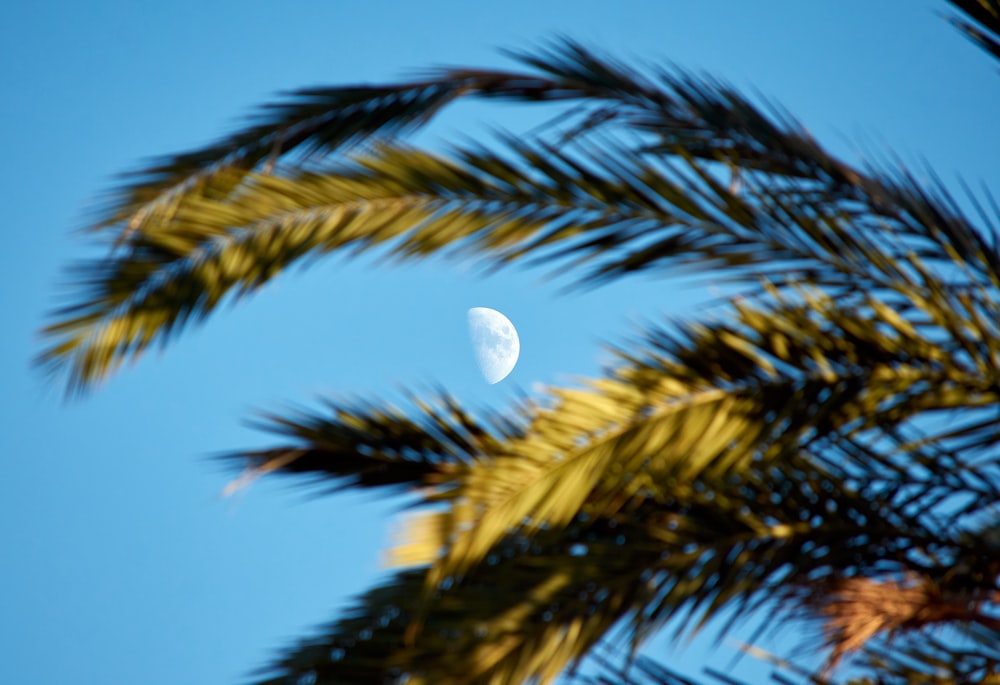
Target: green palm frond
{"points": [[646, 671], [412, 200], [924, 661], [303, 125], [929, 660], [534, 608], [373, 446], [617, 204], [815, 499], [841, 381]]}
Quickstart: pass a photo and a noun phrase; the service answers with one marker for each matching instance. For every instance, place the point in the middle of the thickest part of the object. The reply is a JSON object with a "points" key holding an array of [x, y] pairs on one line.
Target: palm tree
{"points": [[825, 450]]}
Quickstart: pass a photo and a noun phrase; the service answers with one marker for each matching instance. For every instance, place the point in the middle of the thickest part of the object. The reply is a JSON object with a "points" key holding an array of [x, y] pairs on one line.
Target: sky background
{"points": [[122, 560]]}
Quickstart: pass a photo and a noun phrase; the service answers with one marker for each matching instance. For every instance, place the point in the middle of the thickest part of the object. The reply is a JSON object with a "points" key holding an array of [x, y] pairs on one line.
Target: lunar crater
{"points": [[494, 342]]}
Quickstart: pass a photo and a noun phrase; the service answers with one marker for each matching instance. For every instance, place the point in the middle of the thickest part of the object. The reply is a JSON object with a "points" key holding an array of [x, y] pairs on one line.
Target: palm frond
{"points": [[839, 380], [761, 454], [364, 445], [922, 661], [641, 671], [615, 204], [984, 27], [930, 660], [304, 124], [535, 608]]}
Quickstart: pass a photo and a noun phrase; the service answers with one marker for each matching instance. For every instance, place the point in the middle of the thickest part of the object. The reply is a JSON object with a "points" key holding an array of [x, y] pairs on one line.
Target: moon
{"points": [[495, 343]]}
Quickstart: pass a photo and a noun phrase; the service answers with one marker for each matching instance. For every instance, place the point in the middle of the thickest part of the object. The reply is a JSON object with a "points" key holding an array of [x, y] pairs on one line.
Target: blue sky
{"points": [[123, 562]]}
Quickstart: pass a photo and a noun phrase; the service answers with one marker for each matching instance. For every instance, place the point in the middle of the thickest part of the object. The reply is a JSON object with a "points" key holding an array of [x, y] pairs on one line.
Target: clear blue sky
{"points": [[122, 562]]}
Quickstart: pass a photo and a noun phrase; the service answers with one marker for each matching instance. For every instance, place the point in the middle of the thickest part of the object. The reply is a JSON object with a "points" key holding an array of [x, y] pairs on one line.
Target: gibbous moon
{"points": [[495, 342]]}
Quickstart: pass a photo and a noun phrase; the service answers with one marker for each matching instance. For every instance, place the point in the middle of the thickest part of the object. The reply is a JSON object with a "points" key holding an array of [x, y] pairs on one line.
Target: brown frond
{"points": [[857, 609]]}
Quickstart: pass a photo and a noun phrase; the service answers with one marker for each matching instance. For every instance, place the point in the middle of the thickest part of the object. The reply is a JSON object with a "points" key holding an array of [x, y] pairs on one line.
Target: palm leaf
{"points": [[984, 29], [730, 397], [372, 446], [525, 615], [619, 205]]}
